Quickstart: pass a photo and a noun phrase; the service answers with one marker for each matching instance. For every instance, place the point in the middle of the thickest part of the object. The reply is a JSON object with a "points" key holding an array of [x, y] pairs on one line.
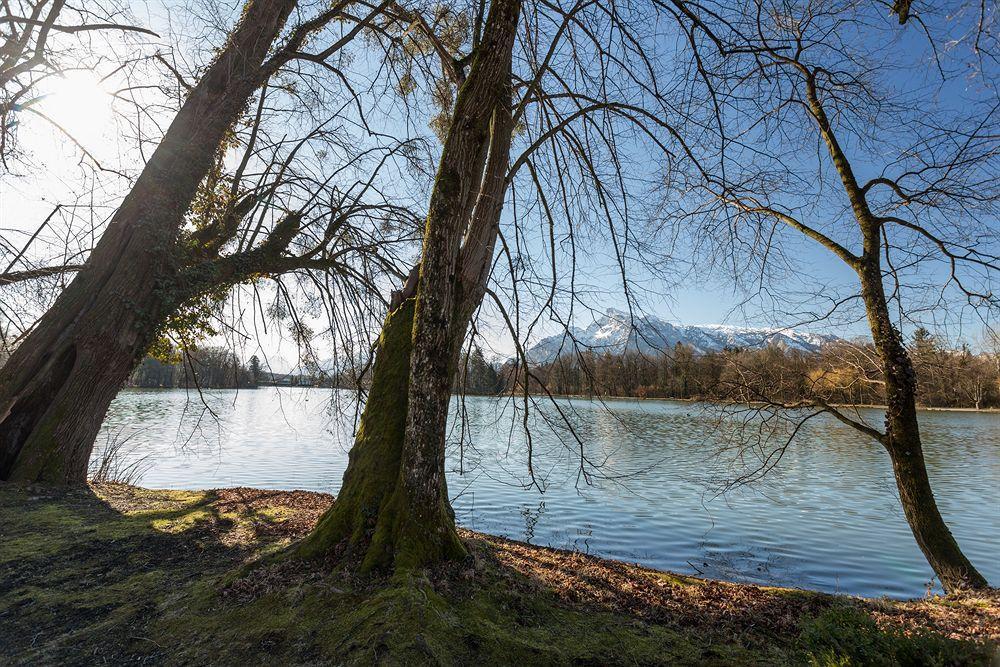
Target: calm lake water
{"points": [[828, 519]]}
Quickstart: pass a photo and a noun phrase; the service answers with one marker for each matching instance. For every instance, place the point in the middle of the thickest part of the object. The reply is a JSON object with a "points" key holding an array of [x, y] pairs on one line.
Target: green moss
{"points": [[38, 459], [84, 582], [182, 522], [372, 514], [846, 636], [409, 622], [373, 466], [276, 513]]}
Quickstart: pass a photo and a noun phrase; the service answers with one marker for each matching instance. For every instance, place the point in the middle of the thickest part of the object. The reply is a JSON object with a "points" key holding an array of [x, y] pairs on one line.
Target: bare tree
{"points": [[910, 208], [394, 503], [544, 104]]}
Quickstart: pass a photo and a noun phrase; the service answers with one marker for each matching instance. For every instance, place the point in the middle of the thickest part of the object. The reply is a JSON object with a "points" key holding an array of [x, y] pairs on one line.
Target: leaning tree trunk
{"points": [[902, 432], [393, 509], [903, 443], [56, 388]]}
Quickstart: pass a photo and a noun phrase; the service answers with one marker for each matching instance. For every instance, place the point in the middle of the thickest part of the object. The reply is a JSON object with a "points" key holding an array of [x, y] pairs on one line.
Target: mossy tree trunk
{"points": [[56, 388], [366, 496], [393, 509], [903, 443]]}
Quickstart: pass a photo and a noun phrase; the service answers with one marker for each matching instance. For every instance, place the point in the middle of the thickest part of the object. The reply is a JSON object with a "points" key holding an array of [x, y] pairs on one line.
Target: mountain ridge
{"points": [[616, 332]]}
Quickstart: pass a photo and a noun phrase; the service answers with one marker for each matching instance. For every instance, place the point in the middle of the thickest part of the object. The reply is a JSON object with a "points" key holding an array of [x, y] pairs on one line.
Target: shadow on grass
{"points": [[72, 561], [119, 574]]}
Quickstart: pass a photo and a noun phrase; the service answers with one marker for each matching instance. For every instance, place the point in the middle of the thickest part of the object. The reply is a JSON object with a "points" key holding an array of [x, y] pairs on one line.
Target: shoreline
{"points": [[712, 402], [587, 397], [182, 578], [315, 502]]}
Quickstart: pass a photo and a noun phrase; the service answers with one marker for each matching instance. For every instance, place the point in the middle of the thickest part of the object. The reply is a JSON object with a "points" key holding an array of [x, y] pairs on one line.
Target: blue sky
{"points": [[698, 298]]}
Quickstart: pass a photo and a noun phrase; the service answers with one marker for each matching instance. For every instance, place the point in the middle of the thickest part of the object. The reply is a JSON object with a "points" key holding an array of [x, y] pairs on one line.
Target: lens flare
{"points": [[79, 103]]}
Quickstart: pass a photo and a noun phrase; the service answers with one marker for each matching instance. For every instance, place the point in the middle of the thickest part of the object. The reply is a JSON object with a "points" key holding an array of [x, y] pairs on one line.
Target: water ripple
{"points": [[829, 519]]}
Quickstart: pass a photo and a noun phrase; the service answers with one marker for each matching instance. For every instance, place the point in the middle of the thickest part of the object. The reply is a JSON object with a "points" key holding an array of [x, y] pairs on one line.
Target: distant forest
{"points": [[219, 368], [838, 373], [205, 367]]}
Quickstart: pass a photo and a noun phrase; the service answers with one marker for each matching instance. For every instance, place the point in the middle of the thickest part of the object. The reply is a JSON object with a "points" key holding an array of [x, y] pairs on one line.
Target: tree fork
{"points": [[58, 384]]}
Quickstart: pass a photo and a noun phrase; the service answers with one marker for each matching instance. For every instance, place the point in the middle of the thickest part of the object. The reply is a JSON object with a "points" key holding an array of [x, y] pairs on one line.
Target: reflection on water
{"points": [[531, 518], [828, 519]]}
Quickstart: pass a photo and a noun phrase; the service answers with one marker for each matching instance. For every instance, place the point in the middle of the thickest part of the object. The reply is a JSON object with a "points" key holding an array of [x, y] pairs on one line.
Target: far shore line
{"points": [[708, 400], [591, 397]]}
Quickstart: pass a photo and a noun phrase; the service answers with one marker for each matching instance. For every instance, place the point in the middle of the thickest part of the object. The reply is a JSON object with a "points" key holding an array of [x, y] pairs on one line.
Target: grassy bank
{"points": [[117, 574]]}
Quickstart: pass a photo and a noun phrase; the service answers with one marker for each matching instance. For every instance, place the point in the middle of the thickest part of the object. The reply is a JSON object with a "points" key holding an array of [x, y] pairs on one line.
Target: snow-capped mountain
{"points": [[614, 332]]}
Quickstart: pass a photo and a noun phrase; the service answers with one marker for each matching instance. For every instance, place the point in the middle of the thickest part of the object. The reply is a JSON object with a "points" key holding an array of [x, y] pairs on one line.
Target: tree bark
{"points": [[393, 509], [358, 524], [56, 388], [903, 443], [902, 430], [437, 331]]}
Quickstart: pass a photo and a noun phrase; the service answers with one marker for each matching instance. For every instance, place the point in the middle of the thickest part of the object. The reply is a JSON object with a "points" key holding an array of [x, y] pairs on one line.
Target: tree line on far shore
{"points": [[543, 144], [842, 373], [212, 367], [217, 367]]}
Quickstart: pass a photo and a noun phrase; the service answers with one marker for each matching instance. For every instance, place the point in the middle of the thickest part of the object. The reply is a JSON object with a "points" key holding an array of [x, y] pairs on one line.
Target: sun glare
{"points": [[80, 103]]}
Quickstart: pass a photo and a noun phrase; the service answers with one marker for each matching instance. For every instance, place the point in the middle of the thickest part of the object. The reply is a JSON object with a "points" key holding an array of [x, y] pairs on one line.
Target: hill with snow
{"points": [[615, 332]]}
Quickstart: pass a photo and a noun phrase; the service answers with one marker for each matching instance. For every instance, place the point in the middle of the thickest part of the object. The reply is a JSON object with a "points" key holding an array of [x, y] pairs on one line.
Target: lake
{"points": [[828, 518]]}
